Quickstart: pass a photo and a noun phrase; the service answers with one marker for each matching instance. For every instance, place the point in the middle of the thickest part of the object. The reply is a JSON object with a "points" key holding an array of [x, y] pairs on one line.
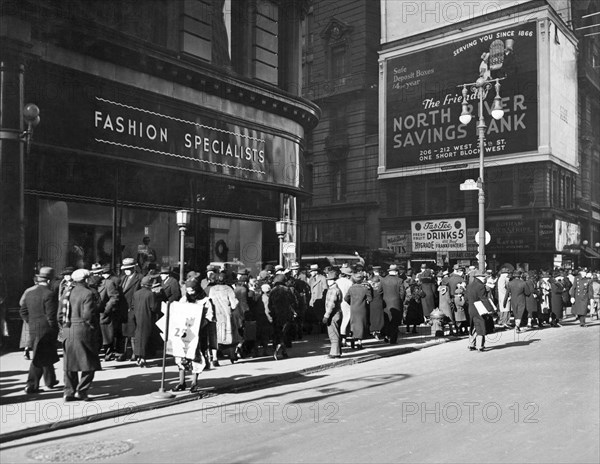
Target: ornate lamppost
{"points": [[481, 88], [183, 217], [280, 231]]}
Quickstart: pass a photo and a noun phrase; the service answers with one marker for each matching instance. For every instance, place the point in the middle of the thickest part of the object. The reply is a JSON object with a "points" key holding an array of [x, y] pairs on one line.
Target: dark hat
{"points": [[545, 274], [94, 281], [516, 273], [279, 279], [332, 275], [96, 268], [128, 263], [147, 281], [165, 269], [409, 272], [221, 277], [270, 268], [45, 272], [67, 271]]}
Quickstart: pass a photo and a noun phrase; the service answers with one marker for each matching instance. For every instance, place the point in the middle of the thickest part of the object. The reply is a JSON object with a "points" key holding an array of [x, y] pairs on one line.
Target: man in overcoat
{"points": [[108, 291], [581, 293], [393, 296], [477, 296], [39, 309], [78, 318], [318, 285], [171, 291], [516, 290], [333, 314], [130, 283]]}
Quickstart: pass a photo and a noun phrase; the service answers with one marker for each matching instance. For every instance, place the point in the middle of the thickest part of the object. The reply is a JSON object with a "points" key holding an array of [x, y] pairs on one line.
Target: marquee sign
{"points": [[423, 100]]}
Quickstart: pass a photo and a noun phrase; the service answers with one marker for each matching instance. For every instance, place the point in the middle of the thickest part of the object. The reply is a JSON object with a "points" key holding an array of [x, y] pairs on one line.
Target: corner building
{"points": [[146, 108], [540, 168]]}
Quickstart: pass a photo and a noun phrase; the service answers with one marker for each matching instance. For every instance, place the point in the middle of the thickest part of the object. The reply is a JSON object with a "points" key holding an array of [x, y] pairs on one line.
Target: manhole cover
{"points": [[78, 452]]}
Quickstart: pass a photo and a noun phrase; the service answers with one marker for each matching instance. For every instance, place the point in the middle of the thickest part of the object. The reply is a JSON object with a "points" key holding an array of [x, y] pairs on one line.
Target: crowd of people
{"points": [[97, 316]]}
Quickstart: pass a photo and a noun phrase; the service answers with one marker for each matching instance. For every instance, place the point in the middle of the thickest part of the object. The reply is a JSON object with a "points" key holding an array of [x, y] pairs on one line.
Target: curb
{"points": [[245, 387]]}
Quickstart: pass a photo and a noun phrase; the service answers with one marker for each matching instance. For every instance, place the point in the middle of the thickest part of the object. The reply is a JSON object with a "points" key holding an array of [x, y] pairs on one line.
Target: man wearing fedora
{"points": [[302, 291], [39, 309], [333, 314], [393, 296], [171, 291], [78, 317], [144, 311], [516, 291], [130, 283], [108, 291], [318, 286]]}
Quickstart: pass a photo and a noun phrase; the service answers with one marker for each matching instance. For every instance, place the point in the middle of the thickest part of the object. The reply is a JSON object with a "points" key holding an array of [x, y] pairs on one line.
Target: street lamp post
{"points": [[481, 88], [280, 231], [183, 220]]}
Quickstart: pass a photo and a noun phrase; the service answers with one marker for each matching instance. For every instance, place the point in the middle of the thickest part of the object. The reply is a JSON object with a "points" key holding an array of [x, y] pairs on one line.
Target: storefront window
{"points": [[80, 234], [236, 241], [74, 234]]}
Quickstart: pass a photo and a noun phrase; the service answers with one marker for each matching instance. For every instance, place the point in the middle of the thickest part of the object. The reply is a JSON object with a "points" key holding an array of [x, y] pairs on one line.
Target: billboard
{"points": [[423, 99], [567, 236], [439, 235]]}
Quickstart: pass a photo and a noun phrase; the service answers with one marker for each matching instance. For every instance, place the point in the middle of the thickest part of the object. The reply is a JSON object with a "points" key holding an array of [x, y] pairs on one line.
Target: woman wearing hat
{"points": [[358, 297], [557, 304], [228, 320], [145, 314]]}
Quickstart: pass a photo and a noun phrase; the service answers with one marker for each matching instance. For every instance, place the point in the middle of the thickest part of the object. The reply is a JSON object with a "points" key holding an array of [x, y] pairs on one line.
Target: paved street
{"points": [[531, 398]]}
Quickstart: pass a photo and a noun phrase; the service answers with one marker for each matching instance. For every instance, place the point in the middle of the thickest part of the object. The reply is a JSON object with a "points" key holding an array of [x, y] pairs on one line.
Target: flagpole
{"points": [[162, 393]]}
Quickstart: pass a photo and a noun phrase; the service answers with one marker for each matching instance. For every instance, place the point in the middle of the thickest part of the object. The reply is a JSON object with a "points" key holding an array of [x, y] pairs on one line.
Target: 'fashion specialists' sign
{"points": [[424, 100], [116, 120], [439, 235]]}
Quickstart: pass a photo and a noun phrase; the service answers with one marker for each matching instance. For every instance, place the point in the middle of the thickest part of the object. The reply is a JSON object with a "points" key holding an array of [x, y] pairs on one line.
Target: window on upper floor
{"points": [[338, 181], [338, 62]]}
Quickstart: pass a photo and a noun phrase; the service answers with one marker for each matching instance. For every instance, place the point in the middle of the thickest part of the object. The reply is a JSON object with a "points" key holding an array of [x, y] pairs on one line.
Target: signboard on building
{"points": [[567, 236], [111, 119], [439, 235], [423, 99]]}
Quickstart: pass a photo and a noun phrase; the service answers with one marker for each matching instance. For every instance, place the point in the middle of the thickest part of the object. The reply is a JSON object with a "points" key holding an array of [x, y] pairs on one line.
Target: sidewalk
{"points": [[123, 388]]}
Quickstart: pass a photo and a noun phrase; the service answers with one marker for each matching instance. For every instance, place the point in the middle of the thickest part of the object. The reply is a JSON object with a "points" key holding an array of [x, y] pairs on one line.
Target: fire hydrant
{"points": [[436, 319]]}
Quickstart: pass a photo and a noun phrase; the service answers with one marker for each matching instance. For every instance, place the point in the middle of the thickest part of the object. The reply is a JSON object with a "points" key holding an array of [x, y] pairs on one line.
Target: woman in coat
{"points": [[376, 319], [532, 299], [78, 318], [223, 297], [581, 293], [413, 311], [428, 287], [358, 297], [145, 313], [281, 314]]}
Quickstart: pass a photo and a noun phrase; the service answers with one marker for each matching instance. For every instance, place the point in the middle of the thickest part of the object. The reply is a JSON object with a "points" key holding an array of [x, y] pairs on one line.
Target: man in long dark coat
{"points": [[171, 291], [38, 309], [128, 285], [517, 290], [144, 311], [108, 306], [393, 296], [78, 318], [477, 296], [280, 309]]}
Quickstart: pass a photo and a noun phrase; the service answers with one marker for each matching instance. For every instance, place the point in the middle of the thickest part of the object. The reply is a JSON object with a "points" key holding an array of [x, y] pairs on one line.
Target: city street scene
{"points": [[300, 231]]}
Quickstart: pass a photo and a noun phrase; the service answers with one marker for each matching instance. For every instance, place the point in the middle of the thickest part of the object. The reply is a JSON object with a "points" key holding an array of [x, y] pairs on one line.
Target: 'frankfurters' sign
{"points": [[439, 235]]}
